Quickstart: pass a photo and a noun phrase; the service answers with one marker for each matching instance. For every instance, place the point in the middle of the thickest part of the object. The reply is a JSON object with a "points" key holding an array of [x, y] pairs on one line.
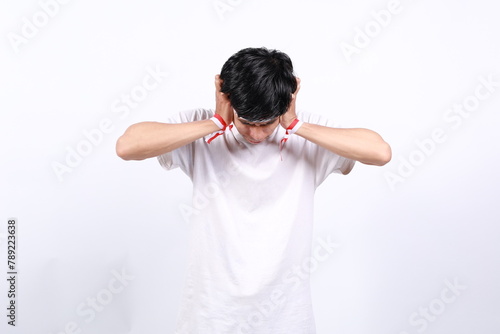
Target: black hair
{"points": [[259, 83]]}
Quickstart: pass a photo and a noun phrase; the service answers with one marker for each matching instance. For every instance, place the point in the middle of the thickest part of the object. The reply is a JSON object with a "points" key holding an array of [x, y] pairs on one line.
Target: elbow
{"points": [[380, 156], [123, 148], [384, 154], [126, 149]]}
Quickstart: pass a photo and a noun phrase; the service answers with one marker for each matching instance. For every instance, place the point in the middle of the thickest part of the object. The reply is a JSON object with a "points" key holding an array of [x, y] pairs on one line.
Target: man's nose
{"points": [[257, 133]]}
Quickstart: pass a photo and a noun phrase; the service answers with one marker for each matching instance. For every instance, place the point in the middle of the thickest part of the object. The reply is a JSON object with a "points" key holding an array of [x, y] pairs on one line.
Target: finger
{"points": [[298, 85], [218, 82]]}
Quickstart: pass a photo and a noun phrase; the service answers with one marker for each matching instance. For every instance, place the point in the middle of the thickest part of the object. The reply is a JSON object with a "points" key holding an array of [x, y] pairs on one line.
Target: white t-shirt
{"points": [[251, 225]]}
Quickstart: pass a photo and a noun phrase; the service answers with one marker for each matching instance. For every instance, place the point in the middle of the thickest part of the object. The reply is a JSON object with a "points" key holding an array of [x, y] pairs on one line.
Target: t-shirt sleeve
{"points": [[325, 161], [182, 157]]}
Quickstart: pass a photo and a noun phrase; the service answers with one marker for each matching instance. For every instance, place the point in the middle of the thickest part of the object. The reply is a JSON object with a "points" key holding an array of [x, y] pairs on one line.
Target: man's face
{"points": [[255, 132]]}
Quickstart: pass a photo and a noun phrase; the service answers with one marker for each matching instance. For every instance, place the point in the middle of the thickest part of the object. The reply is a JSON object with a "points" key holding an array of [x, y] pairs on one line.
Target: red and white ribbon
{"points": [[219, 121], [292, 128]]}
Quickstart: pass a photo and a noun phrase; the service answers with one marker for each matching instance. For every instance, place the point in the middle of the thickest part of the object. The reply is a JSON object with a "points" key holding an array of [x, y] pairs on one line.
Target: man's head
{"points": [[259, 83]]}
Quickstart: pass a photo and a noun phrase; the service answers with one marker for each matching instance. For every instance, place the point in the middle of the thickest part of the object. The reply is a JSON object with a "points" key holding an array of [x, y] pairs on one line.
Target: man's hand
{"points": [[222, 104], [287, 118]]}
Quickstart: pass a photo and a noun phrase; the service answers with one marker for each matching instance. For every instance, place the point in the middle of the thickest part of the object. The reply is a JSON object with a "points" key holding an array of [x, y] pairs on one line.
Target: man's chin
{"points": [[253, 141]]}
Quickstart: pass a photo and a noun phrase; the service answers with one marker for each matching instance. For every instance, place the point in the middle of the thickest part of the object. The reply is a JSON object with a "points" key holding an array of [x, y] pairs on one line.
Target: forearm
{"points": [[150, 139], [362, 145]]}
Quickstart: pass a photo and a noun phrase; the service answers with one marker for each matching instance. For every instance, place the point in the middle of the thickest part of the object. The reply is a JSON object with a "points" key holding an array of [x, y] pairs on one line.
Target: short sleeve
{"points": [[325, 161], [182, 157]]}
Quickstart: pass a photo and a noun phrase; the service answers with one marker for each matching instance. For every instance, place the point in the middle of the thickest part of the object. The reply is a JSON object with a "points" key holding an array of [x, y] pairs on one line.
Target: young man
{"points": [[257, 162]]}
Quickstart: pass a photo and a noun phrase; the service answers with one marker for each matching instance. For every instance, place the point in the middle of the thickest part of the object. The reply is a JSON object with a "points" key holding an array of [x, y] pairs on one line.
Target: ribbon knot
{"points": [[219, 121]]}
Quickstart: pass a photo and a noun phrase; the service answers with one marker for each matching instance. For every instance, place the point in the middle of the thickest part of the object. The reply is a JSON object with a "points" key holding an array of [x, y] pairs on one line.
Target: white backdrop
{"points": [[101, 243]]}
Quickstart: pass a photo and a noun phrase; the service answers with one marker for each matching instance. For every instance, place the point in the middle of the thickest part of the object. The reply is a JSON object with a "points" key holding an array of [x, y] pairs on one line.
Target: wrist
{"points": [[286, 122], [219, 121], [293, 126]]}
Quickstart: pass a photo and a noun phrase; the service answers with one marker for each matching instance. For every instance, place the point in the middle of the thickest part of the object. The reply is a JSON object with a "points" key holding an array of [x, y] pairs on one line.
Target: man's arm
{"points": [[363, 145], [150, 139]]}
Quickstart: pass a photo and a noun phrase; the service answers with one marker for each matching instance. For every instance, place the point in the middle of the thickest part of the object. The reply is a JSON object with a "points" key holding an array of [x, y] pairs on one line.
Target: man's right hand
{"points": [[222, 104]]}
